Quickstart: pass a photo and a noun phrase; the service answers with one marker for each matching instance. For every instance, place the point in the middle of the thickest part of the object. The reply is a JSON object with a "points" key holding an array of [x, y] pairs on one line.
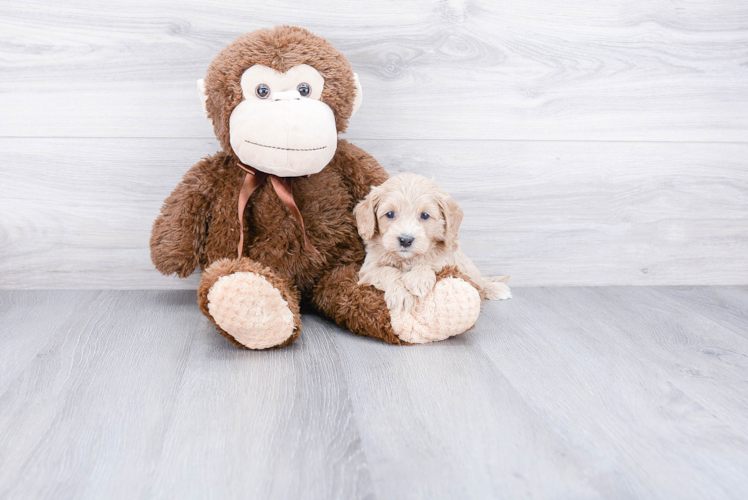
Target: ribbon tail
{"points": [[250, 184], [282, 186]]}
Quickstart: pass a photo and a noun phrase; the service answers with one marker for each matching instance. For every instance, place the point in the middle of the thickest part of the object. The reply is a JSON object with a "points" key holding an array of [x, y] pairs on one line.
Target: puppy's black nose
{"points": [[406, 240]]}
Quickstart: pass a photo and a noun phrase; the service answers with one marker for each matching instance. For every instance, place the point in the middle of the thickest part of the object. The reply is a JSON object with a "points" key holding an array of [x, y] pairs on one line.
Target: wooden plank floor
{"points": [[611, 392]]}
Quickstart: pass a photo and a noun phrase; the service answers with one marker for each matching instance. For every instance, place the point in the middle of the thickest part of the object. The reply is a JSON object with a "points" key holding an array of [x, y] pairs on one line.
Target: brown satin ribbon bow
{"points": [[282, 186]]}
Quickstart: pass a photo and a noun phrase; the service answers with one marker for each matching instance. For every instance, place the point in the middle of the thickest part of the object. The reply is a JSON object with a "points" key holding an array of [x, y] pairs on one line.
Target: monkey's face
{"points": [[282, 127], [278, 98]]}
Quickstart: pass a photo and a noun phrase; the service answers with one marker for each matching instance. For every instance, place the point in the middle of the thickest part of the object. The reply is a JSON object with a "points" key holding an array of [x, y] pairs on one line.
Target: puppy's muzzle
{"points": [[405, 240]]}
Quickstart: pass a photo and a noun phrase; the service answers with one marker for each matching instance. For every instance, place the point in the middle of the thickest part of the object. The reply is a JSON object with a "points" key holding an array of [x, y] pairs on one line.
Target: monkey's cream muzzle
{"points": [[285, 135]]}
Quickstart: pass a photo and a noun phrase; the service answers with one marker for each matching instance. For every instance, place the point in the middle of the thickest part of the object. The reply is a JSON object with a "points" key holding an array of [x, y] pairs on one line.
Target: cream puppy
{"points": [[409, 226]]}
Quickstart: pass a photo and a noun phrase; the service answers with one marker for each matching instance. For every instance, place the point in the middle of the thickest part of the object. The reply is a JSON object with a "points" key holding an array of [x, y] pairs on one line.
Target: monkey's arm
{"points": [[179, 232], [360, 170]]}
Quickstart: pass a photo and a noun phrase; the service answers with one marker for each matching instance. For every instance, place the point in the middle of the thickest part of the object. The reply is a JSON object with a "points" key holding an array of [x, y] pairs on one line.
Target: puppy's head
{"points": [[408, 215]]}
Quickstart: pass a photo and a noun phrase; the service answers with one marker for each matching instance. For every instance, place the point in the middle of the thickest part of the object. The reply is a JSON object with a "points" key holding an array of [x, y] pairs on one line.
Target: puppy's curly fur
{"points": [[409, 226]]}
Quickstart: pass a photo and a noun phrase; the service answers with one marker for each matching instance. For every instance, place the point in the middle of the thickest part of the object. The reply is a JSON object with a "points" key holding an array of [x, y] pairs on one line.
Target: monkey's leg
{"points": [[361, 309], [250, 304], [451, 308]]}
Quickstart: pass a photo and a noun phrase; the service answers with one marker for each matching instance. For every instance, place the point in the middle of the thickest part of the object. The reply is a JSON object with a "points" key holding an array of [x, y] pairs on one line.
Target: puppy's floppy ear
{"points": [[452, 214], [366, 214]]}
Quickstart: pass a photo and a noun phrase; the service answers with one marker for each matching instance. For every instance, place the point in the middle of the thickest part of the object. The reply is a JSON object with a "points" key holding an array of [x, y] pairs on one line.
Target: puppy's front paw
{"points": [[496, 290], [420, 280], [399, 300]]}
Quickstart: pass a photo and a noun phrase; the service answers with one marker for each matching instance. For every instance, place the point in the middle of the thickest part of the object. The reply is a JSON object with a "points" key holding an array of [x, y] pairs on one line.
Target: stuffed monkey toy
{"points": [[270, 217]]}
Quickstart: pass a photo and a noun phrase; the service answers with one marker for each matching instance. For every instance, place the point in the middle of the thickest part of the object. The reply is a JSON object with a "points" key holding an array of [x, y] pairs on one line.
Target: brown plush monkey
{"points": [[270, 218]]}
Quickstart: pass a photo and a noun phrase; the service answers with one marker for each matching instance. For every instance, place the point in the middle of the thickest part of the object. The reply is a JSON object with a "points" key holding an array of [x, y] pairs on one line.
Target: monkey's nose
{"points": [[289, 94], [405, 240]]}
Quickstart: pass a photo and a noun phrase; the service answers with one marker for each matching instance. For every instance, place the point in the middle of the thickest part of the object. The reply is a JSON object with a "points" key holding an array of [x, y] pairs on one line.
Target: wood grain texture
{"points": [[547, 213], [135, 396], [455, 69], [727, 306], [558, 393], [460, 429], [625, 375]]}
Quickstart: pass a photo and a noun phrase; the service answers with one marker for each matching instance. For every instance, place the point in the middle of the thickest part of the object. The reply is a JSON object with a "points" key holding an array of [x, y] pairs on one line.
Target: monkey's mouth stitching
{"points": [[284, 149]]}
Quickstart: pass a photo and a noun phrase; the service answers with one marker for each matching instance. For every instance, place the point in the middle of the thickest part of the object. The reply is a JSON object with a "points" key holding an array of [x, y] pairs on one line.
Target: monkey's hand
{"points": [[174, 249], [420, 280], [179, 232]]}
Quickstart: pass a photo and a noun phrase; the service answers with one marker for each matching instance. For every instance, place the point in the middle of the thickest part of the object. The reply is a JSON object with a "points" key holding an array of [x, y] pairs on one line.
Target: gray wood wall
{"points": [[590, 142]]}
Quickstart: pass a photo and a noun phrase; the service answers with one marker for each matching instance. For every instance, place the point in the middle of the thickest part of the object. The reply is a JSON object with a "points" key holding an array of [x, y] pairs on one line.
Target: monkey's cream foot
{"points": [[451, 308], [250, 304]]}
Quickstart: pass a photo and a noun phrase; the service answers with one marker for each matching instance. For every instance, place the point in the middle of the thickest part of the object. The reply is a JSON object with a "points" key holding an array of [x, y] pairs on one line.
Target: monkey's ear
{"points": [[452, 214], [359, 95], [203, 95], [366, 214]]}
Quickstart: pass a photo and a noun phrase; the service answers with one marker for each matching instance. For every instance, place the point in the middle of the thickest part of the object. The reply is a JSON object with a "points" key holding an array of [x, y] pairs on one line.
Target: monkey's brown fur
{"points": [[198, 224]]}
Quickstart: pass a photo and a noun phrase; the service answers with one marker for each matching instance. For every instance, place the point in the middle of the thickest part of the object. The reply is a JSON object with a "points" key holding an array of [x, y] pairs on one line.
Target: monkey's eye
{"points": [[304, 89], [390, 215], [262, 91], [425, 216]]}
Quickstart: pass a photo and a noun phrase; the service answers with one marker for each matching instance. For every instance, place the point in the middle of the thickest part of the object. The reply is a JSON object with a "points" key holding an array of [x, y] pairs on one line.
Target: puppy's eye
{"points": [[390, 215], [425, 216], [262, 91], [304, 89]]}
